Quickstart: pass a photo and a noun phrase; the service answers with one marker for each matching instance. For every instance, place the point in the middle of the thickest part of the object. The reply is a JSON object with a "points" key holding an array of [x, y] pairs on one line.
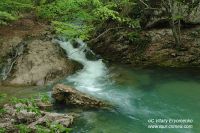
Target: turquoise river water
{"points": [[141, 97]]}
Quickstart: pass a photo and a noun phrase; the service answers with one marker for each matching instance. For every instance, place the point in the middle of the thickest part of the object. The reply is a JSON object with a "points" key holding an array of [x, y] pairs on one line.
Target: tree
{"points": [[40, 2], [175, 11]]}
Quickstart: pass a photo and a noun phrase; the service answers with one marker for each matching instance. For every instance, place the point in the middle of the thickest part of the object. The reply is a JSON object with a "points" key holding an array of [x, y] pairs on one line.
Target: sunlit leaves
{"points": [[71, 30]]}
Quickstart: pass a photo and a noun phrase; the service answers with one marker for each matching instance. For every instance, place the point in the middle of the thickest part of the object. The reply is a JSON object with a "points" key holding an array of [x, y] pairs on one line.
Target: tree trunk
{"points": [[174, 26]]}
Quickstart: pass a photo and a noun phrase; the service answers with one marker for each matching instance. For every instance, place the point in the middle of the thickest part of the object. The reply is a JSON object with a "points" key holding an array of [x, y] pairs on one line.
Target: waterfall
{"points": [[91, 77], [94, 78]]}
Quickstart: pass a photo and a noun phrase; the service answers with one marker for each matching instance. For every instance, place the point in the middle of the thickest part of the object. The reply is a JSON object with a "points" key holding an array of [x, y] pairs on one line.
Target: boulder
{"points": [[71, 96], [41, 63]]}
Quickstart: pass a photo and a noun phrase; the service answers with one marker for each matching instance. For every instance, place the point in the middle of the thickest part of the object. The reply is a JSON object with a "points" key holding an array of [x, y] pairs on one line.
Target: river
{"points": [[138, 95]]}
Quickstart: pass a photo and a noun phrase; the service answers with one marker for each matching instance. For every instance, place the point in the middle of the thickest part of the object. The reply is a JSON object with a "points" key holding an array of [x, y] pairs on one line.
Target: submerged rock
{"points": [[71, 96]]}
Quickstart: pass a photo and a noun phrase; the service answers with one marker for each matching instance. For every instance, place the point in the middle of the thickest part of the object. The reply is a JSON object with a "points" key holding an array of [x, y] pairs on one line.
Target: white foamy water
{"points": [[94, 79], [91, 77]]}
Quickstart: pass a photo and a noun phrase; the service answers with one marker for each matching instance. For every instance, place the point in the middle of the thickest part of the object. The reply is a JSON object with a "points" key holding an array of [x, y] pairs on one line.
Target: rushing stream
{"points": [[137, 94]]}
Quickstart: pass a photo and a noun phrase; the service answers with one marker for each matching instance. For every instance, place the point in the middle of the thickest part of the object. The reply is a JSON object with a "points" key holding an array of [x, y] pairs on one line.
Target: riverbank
{"points": [[136, 95], [27, 49], [152, 47], [37, 114], [28, 55]]}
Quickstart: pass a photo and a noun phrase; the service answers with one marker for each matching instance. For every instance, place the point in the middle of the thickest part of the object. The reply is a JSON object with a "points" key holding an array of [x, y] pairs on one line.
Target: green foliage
{"points": [[58, 128], [6, 17], [70, 18], [27, 101], [136, 39], [2, 112], [106, 12], [15, 6], [52, 128], [72, 31], [65, 10], [23, 128], [41, 129], [31, 105], [44, 98], [10, 9], [114, 11], [2, 130], [195, 34], [2, 96], [79, 18]]}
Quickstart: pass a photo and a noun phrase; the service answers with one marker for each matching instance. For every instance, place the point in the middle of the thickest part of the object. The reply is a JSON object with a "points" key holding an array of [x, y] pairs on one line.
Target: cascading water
{"points": [[94, 77], [134, 105], [90, 77], [137, 94]]}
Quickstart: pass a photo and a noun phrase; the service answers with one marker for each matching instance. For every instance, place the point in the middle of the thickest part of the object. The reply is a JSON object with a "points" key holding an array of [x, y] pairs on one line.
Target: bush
{"points": [[79, 18], [16, 6], [31, 105], [2, 130], [65, 10], [137, 39], [72, 31], [23, 128], [5, 18], [11, 10]]}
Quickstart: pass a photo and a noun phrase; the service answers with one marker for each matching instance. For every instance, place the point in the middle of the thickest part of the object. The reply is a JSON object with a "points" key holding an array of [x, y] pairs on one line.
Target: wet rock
{"points": [[71, 96], [7, 45], [7, 125], [161, 51], [157, 35], [62, 119], [25, 116], [19, 114], [44, 106], [41, 63], [173, 54], [91, 56], [75, 44]]}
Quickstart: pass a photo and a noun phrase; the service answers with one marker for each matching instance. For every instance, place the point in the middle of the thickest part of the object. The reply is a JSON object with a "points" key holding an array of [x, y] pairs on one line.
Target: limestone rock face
{"points": [[71, 96], [40, 64], [159, 16]]}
